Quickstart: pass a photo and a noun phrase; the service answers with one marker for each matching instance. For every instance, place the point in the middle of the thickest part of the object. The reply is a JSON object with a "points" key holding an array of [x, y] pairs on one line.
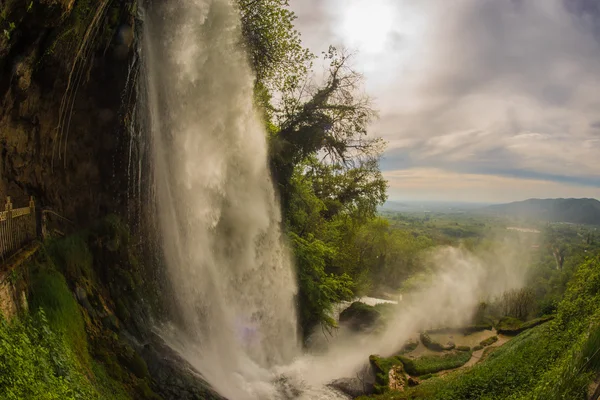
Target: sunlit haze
{"points": [[479, 100]]}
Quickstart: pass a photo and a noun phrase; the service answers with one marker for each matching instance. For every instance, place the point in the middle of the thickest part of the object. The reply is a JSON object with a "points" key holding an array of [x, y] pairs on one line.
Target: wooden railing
{"points": [[18, 227]]}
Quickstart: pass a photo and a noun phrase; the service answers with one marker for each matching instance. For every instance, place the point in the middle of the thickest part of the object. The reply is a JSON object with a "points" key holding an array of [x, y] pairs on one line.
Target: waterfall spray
{"points": [[231, 274], [220, 221]]}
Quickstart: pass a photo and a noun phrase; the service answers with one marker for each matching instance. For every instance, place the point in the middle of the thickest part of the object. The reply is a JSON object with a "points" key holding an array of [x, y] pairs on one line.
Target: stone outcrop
{"points": [[65, 86], [360, 316]]}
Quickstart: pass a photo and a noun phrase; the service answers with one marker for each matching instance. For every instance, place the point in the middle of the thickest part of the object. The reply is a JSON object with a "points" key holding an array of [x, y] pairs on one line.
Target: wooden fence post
{"points": [[32, 231], [10, 239]]}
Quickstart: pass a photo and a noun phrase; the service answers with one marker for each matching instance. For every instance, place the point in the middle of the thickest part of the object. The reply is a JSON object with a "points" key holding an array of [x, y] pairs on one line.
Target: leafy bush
{"points": [[32, 363], [36, 364], [463, 348], [319, 291]]}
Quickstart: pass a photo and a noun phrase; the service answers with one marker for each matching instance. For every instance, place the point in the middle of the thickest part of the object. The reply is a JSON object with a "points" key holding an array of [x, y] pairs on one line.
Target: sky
{"points": [[479, 100]]}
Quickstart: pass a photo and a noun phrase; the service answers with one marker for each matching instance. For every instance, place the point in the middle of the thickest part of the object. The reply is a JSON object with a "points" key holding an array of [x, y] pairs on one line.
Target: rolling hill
{"points": [[576, 211]]}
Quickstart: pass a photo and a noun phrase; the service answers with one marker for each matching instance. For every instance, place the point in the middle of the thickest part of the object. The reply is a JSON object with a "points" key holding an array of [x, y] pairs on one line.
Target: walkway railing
{"points": [[18, 227]]}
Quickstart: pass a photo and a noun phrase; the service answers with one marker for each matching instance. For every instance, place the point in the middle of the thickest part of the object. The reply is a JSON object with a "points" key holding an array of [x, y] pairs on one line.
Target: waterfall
{"points": [[231, 273]]}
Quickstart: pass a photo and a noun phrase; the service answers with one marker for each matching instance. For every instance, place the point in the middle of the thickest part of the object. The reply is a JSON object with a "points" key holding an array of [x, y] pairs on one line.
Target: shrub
{"points": [[477, 348], [463, 348], [35, 364]]}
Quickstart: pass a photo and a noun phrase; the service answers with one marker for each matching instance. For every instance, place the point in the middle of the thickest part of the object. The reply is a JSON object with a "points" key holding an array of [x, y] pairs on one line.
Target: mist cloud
{"points": [[494, 87]]}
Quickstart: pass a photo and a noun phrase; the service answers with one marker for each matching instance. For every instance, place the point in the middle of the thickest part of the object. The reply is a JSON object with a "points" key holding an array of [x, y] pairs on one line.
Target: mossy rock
{"points": [[463, 348], [410, 345], [433, 345], [360, 316], [489, 341], [434, 363], [512, 326], [477, 348]]}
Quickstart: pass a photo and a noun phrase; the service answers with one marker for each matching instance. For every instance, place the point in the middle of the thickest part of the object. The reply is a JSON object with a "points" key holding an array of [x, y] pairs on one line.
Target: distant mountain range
{"points": [[431, 206], [576, 211]]}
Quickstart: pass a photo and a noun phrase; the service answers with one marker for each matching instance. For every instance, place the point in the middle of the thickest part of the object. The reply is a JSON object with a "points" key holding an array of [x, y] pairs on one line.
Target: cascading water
{"points": [[220, 225], [231, 274]]}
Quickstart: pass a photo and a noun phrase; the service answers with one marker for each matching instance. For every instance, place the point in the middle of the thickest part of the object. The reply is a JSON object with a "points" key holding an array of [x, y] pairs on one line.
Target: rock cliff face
{"points": [[66, 88]]}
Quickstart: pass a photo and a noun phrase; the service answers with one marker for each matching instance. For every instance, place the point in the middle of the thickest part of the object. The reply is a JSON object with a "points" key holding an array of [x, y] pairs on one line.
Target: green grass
{"points": [[86, 356], [49, 292], [431, 364], [37, 364], [548, 362]]}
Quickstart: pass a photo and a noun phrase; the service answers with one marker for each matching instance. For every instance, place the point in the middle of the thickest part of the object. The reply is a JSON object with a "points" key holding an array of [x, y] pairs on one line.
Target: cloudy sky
{"points": [[480, 100]]}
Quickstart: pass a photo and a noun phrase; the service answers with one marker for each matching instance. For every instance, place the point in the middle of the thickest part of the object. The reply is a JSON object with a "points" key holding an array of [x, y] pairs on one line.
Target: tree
{"points": [[360, 187], [318, 290], [329, 120], [272, 43]]}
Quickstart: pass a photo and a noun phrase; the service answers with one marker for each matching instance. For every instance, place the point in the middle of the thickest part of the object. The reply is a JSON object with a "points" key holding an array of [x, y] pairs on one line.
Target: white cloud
{"points": [[482, 85], [435, 184]]}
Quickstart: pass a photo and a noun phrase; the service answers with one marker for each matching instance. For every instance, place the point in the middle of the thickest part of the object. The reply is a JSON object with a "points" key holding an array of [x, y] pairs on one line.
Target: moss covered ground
{"points": [[69, 345]]}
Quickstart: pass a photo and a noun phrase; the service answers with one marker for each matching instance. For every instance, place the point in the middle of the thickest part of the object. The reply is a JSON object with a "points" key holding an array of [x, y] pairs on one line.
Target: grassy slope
{"points": [[552, 361], [45, 355], [62, 350]]}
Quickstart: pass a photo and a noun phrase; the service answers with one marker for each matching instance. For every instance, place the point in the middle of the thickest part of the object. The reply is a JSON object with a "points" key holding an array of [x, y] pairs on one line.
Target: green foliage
{"points": [[31, 362], [319, 291], [431, 364], [555, 360], [463, 348], [512, 367], [273, 44], [37, 364], [570, 377], [100, 264], [49, 292]]}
